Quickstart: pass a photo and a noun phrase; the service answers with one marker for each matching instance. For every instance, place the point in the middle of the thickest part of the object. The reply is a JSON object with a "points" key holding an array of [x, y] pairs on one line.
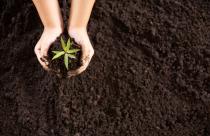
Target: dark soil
{"points": [[57, 66], [150, 75]]}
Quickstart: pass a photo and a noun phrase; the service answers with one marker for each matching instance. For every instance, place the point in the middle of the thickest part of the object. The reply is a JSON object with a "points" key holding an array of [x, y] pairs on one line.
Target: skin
{"points": [[79, 15], [50, 14]]}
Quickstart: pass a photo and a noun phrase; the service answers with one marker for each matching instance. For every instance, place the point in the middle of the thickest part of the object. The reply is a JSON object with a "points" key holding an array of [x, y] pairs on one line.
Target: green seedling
{"points": [[67, 52]]}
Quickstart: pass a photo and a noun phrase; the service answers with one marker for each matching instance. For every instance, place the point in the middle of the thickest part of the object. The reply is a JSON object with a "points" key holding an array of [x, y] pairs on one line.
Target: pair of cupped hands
{"points": [[80, 36]]}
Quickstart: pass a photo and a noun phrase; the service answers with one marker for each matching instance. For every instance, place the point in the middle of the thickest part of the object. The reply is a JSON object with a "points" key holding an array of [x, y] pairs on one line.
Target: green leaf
{"points": [[58, 55], [72, 56], [63, 44], [66, 61], [56, 52], [68, 46], [73, 51]]}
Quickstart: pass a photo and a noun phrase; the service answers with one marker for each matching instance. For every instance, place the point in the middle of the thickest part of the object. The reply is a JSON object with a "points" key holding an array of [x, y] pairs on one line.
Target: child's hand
{"points": [[81, 38], [43, 45]]}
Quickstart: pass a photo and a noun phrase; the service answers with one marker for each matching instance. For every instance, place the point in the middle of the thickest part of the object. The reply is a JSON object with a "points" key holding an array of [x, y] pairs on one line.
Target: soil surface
{"points": [[150, 75]]}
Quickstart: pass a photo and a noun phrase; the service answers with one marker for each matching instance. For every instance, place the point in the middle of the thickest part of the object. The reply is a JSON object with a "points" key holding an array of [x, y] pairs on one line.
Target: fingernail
{"points": [[46, 62]]}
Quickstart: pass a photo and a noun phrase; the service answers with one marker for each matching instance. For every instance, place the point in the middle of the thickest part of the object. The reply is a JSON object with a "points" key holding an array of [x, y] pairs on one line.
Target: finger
{"points": [[43, 64], [80, 69], [87, 53], [44, 51], [37, 52], [37, 48], [84, 44]]}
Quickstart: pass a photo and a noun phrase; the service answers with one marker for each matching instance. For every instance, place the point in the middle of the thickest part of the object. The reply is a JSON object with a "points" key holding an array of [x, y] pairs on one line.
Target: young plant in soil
{"points": [[67, 52], [64, 56]]}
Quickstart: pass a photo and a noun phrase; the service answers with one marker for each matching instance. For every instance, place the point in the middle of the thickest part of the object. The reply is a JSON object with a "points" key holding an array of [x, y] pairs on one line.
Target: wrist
{"points": [[77, 30], [53, 30]]}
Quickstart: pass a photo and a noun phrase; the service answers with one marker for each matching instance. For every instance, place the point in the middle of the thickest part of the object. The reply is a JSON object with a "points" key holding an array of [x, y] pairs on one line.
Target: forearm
{"points": [[49, 13], [80, 13]]}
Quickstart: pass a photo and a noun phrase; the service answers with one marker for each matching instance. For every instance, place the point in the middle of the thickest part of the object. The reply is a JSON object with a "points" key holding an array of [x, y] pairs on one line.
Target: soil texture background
{"points": [[150, 75]]}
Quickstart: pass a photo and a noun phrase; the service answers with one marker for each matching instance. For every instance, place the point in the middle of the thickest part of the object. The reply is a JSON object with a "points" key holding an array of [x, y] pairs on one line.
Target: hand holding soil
{"points": [[43, 45], [82, 39], [51, 17], [67, 57]]}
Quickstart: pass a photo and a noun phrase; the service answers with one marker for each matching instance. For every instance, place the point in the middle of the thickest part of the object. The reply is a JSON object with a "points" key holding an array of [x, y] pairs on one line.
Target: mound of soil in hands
{"points": [[57, 66], [150, 75]]}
